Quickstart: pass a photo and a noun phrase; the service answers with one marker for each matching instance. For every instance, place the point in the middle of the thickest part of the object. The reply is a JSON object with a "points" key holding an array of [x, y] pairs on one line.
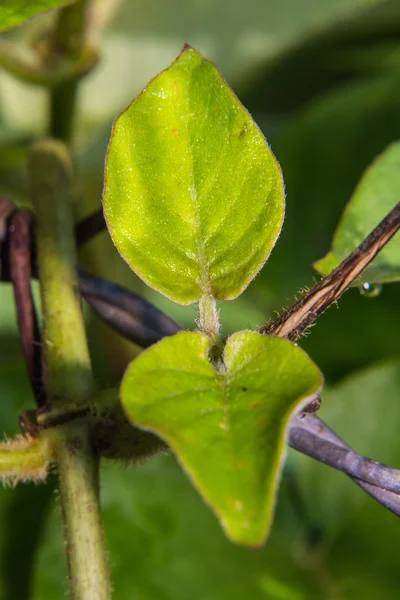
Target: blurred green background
{"points": [[322, 79]]}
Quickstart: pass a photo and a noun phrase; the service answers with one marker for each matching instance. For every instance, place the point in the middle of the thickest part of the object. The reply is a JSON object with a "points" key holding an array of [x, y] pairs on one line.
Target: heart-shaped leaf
{"points": [[227, 423], [375, 196], [193, 196], [15, 12]]}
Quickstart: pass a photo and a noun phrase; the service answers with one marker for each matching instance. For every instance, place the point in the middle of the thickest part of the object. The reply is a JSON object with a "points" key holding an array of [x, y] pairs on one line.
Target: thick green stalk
{"points": [[68, 377], [68, 371], [78, 474], [68, 42]]}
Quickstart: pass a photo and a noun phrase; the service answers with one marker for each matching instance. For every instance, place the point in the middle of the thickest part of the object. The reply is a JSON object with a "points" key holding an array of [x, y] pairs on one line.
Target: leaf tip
{"points": [[245, 532]]}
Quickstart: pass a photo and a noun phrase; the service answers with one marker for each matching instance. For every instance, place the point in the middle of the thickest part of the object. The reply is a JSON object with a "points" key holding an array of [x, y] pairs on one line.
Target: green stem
{"points": [[209, 321], [78, 473], [64, 338], [29, 72], [68, 371], [68, 42]]}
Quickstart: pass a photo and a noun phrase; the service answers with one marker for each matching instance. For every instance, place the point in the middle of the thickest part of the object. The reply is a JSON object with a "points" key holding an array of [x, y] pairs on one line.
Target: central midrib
{"points": [[204, 282]]}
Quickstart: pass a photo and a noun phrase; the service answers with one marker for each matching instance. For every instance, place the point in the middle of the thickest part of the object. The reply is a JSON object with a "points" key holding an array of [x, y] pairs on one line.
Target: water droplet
{"points": [[370, 290]]}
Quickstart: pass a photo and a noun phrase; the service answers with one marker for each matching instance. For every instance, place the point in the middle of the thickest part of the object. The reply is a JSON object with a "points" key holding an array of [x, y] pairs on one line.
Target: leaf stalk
{"points": [[208, 316]]}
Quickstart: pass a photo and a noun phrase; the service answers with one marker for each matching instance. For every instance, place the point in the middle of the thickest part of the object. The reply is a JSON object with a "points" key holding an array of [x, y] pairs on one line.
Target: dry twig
{"points": [[292, 324]]}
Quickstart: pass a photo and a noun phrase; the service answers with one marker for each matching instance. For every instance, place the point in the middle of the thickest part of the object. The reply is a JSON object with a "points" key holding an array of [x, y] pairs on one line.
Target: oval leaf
{"points": [[375, 196], [15, 12], [227, 426], [193, 196]]}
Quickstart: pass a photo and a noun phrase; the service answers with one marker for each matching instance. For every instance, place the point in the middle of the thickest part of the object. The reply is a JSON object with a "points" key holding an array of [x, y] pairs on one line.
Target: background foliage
{"points": [[323, 81]]}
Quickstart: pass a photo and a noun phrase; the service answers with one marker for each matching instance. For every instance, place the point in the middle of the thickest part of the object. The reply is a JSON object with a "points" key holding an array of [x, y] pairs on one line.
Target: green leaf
{"points": [[193, 196], [375, 196], [227, 424], [15, 12]]}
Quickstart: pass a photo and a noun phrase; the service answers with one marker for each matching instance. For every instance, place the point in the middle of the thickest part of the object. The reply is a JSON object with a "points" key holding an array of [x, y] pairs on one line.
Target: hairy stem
{"points": [[24, 460], [69, 376], [292, 324], [64, 337], [78, 474], [208, 321]]}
